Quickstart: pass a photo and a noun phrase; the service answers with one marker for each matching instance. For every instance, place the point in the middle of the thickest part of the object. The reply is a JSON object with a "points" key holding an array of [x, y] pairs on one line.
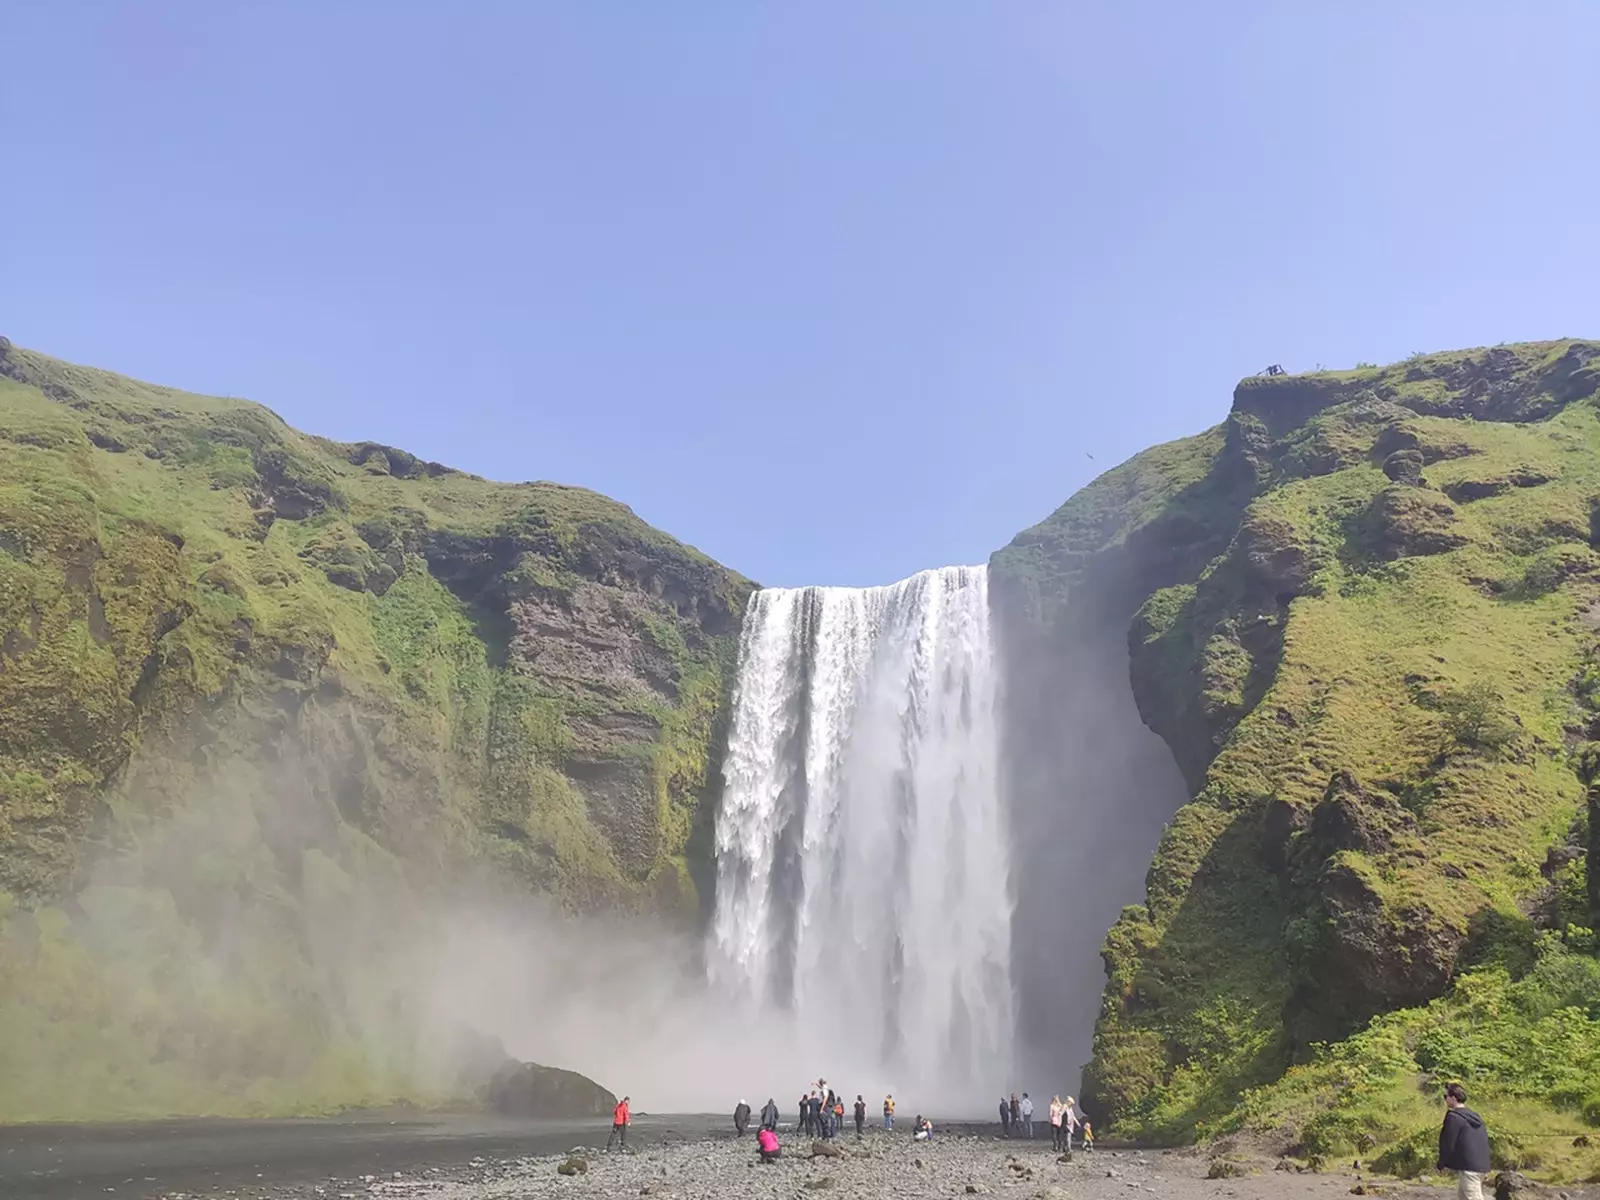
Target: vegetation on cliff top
{"points": [[250, 680], [1362, 613]]}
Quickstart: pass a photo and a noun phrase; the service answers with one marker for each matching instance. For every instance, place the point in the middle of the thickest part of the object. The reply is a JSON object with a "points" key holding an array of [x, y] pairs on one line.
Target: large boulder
{"points": [[520, 1089]]}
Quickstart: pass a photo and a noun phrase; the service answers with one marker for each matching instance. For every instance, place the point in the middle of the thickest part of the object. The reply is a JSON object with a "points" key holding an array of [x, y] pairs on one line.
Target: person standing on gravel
{"points": [[741, 1118], [1016, 1115], [805, 1114], [1005, 1117], [1027, 1117], [1056, 1109], [888, 1113], [769, 1114], [619, 1125], [1463, 1144], [1069, 1122], [861, 1116]]}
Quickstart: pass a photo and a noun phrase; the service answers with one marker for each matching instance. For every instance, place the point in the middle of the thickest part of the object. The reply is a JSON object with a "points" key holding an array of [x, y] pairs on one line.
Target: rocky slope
{"points": [[257, 689], [1364, 615]]}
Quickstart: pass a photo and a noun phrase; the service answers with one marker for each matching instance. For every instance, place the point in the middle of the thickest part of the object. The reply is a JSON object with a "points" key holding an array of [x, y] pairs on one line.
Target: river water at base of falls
{"points": [[863, 891]]}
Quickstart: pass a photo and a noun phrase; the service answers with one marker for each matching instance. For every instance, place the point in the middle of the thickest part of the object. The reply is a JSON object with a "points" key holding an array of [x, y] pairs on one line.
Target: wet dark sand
{"points": [[160, 1158]]}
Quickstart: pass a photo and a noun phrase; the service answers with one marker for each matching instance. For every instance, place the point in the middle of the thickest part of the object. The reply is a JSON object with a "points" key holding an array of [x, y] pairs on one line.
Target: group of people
{"points": [[822, 1115], [1463, 1141], [1016, 1120]]}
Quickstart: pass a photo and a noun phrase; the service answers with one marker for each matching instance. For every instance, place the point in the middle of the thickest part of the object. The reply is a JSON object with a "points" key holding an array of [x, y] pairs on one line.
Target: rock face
{"points": [[254, 678], [1354, 613], [529, 1090]]}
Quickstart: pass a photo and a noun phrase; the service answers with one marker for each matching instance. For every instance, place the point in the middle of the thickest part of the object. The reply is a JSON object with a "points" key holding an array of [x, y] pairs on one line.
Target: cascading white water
{"points": [[862, 864]]}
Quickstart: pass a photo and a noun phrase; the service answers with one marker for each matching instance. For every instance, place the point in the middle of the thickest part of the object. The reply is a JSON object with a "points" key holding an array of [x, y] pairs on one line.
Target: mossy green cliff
{"points": [[1364, 614], [242, 669]]}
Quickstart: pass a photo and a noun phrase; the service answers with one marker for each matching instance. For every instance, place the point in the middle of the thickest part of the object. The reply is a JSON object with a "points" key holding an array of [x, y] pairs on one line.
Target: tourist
{"points": [[1088, 1136], [817, 1127], [1027, 1116], [922, 1129], [838, 1114], [888, 1112], [769, 1114], [1005, 1117], [1463, 1144], [619, 1125], [767, 1143], [1016, 1114], [805, 1114], [1069, 1122], [1056, 1109], [861, 1116], [741, 1118], [829, 1127]]}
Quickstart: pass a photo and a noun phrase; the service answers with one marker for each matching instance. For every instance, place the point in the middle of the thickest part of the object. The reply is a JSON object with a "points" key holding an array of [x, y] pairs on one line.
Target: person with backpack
{"points": [[861, 1116], [1463, 1144], [888, 1113]]}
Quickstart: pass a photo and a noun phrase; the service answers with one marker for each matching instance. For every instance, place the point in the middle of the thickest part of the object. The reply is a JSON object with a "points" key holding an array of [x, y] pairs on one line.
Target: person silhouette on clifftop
{"points": [[741, 1118]]}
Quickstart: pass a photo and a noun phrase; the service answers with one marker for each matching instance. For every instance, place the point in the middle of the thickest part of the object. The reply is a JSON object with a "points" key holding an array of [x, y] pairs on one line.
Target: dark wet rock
{"points": [[1404, 467], [530, 1090]]}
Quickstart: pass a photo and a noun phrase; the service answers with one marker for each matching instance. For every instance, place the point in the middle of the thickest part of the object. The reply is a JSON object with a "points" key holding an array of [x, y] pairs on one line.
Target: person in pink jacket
{"points": [[767, 1142]]}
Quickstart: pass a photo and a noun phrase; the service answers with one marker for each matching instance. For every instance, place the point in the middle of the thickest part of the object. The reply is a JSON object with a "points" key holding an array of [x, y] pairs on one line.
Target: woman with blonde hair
{"points": [[1056, 1108], [1069, 1121]]}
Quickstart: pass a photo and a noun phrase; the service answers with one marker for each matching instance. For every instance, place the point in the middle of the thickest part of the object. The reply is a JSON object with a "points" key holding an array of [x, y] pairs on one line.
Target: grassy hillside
{"points": [[257, 689], [1363, 614]]}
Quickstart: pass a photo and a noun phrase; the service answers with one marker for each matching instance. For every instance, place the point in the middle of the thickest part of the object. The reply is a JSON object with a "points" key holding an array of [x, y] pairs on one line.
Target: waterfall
{"points": [[862, 863]]}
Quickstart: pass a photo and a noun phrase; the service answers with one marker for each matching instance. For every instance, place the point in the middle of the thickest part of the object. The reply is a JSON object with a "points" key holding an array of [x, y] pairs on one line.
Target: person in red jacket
{"points": [[619, 1125]]}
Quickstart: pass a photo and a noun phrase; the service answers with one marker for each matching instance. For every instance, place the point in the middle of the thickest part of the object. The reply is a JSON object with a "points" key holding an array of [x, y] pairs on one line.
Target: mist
{"points": [[1089, 789]]}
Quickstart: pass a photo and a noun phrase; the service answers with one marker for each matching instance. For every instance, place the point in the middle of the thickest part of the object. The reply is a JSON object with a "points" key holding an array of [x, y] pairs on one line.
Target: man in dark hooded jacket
{"points": [[1463, 1144], [769, 1114], [741, 1118]]}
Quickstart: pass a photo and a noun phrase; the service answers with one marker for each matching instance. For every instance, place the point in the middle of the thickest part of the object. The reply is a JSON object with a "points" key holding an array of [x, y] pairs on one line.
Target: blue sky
{"points": [[834, 291]]}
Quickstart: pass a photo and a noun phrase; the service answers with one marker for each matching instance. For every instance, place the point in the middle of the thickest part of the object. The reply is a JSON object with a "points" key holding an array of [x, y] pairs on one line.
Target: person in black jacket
{"points": [[769, 1114], [1463, 1144], [741, 1118]]}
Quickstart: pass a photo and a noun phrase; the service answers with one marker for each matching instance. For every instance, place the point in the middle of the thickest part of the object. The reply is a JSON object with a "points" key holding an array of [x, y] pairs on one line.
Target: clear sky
{"points": [[833, 290]]}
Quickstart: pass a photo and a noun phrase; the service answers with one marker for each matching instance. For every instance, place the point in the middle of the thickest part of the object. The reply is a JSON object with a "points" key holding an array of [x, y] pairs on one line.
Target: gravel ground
{"points": [[882, 1167]]}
